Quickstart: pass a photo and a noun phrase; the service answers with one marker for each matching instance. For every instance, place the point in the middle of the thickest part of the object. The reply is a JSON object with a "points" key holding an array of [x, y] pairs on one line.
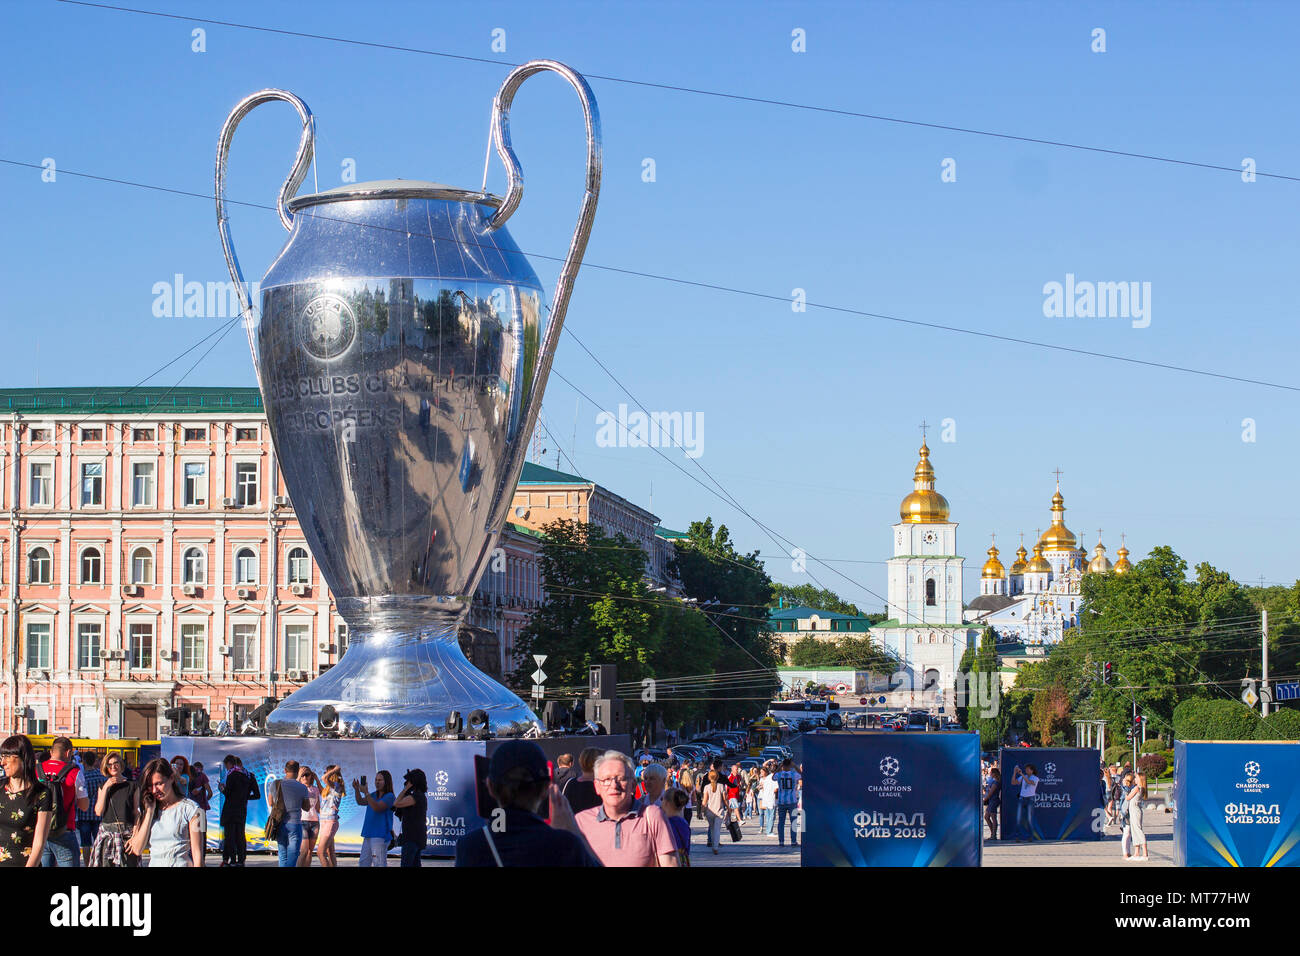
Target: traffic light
{"points": [[1107, 670]]}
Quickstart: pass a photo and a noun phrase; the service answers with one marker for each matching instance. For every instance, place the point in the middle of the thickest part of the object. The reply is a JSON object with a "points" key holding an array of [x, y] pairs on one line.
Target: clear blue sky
{"points": [[810, 419]]}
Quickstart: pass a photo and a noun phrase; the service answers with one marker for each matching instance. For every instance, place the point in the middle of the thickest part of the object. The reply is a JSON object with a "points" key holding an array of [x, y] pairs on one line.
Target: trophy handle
{"points": [[564, 285], [306, 146]]}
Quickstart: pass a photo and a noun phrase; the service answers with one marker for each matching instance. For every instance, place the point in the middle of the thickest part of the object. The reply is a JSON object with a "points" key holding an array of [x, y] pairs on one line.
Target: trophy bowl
{"points": [[402, 350]]}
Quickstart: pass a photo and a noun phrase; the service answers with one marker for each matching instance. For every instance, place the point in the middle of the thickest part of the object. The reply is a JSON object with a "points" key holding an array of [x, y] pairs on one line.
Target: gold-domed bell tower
{"points": [[993, 575], [925, 571]]}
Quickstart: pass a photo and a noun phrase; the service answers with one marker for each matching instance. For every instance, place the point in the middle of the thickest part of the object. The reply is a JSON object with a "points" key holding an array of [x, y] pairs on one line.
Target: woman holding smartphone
{"points": [[377, 828]]}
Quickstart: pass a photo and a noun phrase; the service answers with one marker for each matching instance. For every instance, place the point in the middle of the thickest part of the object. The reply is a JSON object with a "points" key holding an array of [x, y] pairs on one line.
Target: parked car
{"points": [[709, 747], [688, 752], [775, 752], [749, 763], [653, 753]]}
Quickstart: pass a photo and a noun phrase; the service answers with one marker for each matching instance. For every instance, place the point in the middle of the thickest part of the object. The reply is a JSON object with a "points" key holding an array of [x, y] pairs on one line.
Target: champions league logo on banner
{"points": [[1231, 803], [889, 785], [876, 800]]}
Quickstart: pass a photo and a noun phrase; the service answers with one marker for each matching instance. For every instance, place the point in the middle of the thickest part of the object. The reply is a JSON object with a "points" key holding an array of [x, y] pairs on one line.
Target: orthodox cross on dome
{"points": [[1058, 473], [923, 426], [1099, 536], [994, 536]]}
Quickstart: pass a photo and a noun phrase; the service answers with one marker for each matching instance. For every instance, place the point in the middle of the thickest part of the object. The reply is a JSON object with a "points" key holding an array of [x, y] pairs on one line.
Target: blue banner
{"points": [[1234, 803], [909, 799], [1068, 804], [449, 767]]}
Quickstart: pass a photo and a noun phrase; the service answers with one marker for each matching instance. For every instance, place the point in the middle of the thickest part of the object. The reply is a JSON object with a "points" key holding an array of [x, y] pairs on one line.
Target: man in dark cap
{"points": [[519, 780]]}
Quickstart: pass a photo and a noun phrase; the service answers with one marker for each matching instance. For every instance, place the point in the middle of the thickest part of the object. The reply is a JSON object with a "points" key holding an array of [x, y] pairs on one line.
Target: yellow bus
{"points": [[136, 753]]}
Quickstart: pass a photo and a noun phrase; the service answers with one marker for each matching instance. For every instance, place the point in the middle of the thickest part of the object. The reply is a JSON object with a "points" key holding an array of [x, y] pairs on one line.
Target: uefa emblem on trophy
{"points": [[402, 351]]}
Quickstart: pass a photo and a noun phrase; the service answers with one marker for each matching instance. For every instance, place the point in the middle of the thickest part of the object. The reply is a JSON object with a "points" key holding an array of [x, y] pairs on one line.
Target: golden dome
{"points": [[1122, 564], [993, 567], [1058, 537], [1039, 564], [1100, 564], [1018, 566], [924, 505]]}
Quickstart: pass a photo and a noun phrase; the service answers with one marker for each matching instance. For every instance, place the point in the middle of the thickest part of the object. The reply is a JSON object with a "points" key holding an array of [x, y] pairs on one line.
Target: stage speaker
{"points": [[455, 724], [602, 681], [608, 713], [478, 724], [553, 715]]}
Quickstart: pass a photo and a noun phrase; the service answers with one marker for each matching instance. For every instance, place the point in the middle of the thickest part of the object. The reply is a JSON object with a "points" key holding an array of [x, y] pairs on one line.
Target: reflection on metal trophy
{"points": [[402, 352]]}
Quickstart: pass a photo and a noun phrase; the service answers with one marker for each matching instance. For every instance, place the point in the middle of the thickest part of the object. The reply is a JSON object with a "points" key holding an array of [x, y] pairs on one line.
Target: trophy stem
{"points": [[403, 674]]}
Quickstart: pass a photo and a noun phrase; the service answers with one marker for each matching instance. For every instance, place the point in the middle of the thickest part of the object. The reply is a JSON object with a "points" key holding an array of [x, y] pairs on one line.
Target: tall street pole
{"points": [[1264, 694]]}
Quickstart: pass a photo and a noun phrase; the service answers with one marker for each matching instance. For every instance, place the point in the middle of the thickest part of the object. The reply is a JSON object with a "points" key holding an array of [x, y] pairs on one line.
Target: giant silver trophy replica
{"points": [[402, 353]]}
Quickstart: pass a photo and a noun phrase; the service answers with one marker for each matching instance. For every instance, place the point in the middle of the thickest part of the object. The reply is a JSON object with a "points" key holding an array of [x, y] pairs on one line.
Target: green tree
{"points": [[734, 591], [1280, 725], [1050, 713], [845, 650], [992, 719]]}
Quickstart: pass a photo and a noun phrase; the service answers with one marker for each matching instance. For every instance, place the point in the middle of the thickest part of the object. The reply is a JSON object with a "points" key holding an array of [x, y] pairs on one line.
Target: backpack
{"points": [[59, 825]]}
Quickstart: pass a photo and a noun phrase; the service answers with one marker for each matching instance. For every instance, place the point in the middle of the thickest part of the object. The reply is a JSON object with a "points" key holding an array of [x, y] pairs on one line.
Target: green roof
{"points": [[796, 613], [534, 474], [663, 532], [113, 400]]}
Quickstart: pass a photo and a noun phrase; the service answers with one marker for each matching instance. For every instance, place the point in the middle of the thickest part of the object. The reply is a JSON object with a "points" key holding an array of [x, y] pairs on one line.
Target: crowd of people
{"points": [[600, 809]]}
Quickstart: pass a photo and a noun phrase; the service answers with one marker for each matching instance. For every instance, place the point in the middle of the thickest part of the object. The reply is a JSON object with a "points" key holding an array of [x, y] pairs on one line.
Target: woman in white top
{"points": [[167, 822], [715, 808]]}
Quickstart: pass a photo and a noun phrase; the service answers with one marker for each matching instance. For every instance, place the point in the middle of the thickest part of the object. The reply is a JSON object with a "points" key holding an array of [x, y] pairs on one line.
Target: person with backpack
{"points": [[237, 789], [68, 785], [26, 805]]}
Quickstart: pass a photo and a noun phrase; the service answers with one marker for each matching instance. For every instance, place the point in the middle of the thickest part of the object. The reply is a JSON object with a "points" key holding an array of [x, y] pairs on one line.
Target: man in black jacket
{"points": [[239, 787]]}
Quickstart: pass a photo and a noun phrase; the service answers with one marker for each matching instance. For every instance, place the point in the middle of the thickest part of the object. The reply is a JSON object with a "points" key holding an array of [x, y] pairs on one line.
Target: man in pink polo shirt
{"points": [[617, 832]]}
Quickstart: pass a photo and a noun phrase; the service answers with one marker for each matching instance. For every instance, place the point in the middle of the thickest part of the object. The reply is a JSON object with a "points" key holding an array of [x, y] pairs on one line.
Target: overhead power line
{"points": [[716, 94]]}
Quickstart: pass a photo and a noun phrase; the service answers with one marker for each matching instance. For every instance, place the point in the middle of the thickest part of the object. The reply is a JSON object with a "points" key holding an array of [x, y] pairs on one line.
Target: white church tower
{"points": [[925, 630]]}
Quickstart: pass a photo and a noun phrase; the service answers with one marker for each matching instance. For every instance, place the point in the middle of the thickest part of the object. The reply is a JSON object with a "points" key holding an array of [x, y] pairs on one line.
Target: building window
{"points": [[92, 483], [142, 434], [89, 636], [196, 434], [299, 566], [38, 566], [196, 483], [194, 566], [142, 566], [194, 647], [243, 647], [929, 592], [92, 566], [42, 484], [92, 434], [140, 636], [246, 484], [38, 645], [40, 434], [297, 647], [37, 726], [245, 566], [245, 434], [341, 638], [142, 484]]}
